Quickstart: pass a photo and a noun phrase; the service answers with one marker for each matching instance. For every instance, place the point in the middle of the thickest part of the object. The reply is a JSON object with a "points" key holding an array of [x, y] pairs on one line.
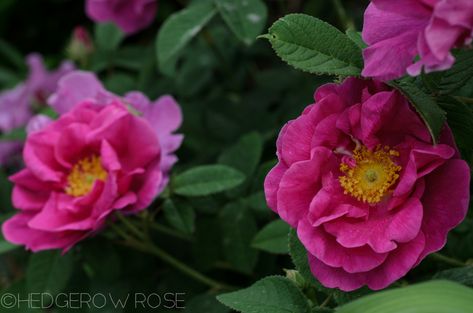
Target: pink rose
{"points": [[359, 178], [80, 169], [130, 15], [164, 114], [397, 31]]}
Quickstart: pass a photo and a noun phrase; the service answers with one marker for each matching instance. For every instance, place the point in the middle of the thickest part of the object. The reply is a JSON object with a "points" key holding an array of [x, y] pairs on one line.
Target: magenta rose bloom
{"points": [[398, 31], [130, 15], [17, 105], [80, 169], [360, 180]]}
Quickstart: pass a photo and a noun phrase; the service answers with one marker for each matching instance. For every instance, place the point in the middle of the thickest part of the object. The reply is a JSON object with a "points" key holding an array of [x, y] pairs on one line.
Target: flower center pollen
{"points": [[83, 176], [372, 175]]}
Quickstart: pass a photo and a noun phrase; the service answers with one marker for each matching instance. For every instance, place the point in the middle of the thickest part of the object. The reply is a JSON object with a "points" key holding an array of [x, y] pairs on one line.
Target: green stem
{"points": [[342, 15], [148, 247], [447, 259], [164, 256], [464, 99], [168, 231], [130, 226], [120, 232], [327, 300]]}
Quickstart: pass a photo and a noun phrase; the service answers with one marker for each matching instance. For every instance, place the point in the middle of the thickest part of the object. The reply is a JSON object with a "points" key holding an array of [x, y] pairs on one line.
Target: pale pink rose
{"points": [[18, 104], [361, 181]]}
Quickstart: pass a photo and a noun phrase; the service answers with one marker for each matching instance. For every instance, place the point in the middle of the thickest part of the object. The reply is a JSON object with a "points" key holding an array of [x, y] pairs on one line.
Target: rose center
{"points": [[372, 174], [83, 175]]}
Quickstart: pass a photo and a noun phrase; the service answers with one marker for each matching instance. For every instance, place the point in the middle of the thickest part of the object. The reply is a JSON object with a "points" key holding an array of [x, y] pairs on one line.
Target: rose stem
{"points": [[148, 247], [167, 231], [448, 260], [342, 15]]}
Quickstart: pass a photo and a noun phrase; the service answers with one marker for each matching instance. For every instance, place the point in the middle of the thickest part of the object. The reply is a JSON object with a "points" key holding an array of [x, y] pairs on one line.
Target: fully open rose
{"points": [[368, 192], [80, 169]]}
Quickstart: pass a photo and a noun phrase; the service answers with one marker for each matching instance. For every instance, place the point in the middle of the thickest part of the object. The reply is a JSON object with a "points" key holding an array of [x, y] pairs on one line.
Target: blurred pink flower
{"points": [[164, 114], [80, 169], [397, 31], [360, 180], [17, 104], [130, 15]]}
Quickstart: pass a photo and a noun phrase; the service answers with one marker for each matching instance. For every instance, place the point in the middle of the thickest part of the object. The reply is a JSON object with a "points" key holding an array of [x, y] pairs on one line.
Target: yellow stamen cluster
{"points": [[372, 176], [83, 176]]}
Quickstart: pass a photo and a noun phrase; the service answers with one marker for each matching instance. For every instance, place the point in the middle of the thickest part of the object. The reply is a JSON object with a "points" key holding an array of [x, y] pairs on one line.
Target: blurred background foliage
{"points": [[235, 98]]}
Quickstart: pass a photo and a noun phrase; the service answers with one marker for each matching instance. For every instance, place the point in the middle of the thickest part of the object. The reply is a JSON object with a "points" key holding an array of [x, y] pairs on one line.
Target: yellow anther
{"points": [[373, 175], [83, 176]]}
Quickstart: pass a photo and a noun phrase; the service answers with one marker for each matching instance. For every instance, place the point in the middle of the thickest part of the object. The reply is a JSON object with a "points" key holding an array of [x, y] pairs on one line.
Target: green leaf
{"points": [[462, 275], [238, 229], [245, 18], [205, 304], [5, 193], [273, 238], [49, 272], [273, 294], [356, 38], [322, 310], [245, 155], [5, 5], [12, 55], [17, 290], [180, 215], [178, 30], [8, 78], [207, 179], [108, 36], [5, 246], [257, 202], [101, 260], [342, 297], [17, 134], [460, 73], [314, 46], [120, 82], [49, 112], [425, 105], [206, 249], [460, 120], [431, 297], [301, 262]]}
